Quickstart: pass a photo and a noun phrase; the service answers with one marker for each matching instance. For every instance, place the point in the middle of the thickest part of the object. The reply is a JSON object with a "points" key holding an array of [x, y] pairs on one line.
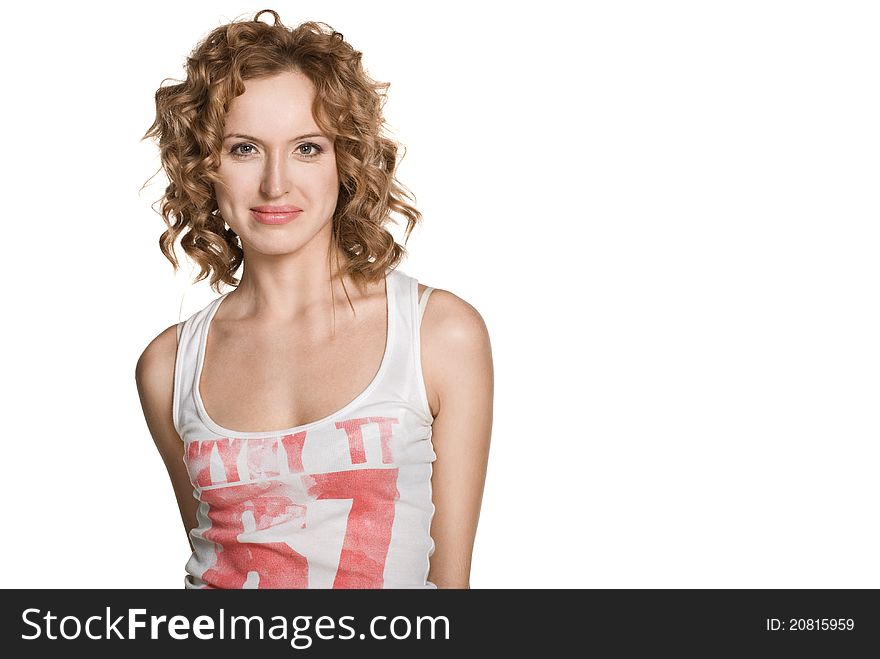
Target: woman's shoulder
{"points": [[154, 376], [452, 323], [456, 354], [155, 366]]}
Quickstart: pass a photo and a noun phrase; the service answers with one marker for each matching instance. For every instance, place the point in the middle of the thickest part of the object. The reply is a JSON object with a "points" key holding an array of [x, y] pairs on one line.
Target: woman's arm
{"points": [[154, 376], [457, 364]]}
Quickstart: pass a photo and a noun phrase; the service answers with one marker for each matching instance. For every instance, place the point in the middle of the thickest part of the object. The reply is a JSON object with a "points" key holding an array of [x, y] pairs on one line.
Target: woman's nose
{"points": [[276, 174]]}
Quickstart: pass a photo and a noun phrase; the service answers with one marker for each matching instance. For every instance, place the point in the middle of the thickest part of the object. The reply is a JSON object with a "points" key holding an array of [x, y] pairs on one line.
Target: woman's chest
{"points": [[269, 380]]}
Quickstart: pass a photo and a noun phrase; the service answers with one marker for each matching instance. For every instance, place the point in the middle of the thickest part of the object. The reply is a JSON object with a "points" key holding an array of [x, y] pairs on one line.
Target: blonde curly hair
{"points": [[348, 106]]}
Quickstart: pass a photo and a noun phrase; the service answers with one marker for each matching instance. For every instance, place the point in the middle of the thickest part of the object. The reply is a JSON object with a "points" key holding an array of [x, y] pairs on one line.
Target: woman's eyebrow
{"points": [[256, 139]]}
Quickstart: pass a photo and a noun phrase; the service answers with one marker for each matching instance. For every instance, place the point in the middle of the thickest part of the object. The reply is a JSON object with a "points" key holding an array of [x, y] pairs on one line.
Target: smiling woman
{"points": [[310, 442], [265, 167]]}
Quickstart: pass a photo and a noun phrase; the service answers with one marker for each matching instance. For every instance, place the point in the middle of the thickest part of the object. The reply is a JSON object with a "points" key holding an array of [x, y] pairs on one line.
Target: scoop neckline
{"points": [[227, 432]]}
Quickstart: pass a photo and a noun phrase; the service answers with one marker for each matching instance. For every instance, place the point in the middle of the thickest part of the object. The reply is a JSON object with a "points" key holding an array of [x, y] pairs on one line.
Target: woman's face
{"points": [[274, 155]]}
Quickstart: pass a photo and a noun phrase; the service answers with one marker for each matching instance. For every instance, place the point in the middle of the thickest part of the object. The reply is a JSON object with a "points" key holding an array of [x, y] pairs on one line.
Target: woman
{"points": [[322, 424]]}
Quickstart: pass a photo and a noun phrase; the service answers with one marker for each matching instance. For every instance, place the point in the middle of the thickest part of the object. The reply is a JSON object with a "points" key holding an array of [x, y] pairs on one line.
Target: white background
{"points": [[667, 214]]}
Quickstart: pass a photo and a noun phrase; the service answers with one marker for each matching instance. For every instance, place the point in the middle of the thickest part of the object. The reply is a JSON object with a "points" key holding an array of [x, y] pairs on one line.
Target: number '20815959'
{"points": [[810, 624]]}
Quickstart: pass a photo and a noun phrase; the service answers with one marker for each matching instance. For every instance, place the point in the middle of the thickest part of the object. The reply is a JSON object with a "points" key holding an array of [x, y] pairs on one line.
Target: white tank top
{"points": [[342, 502]]}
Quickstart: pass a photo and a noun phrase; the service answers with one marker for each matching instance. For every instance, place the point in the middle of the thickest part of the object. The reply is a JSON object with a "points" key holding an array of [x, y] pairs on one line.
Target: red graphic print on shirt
{"points": [[356, 438], [276, 564], [260, 500]]}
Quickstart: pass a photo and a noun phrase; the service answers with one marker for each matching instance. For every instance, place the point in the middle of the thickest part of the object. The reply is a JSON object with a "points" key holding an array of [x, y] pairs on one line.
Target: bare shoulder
{"points": [[154, 376], [455, 346], [453, 321], [157, 359]]}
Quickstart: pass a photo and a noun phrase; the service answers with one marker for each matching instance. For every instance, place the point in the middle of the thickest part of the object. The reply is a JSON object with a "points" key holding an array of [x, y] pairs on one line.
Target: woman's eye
{"points": [[235, 150], [311, 150]]}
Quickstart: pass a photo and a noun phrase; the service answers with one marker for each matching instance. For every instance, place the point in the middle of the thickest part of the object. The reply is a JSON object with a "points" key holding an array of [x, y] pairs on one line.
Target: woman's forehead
{"points": [[278, 105]]}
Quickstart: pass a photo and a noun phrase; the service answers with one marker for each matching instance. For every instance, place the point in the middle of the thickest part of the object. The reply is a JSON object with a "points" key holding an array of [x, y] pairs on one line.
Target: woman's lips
{"points": [[274, 216]]}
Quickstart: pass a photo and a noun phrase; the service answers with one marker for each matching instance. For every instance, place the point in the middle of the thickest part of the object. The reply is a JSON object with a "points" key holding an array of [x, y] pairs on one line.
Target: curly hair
{"points": [[347, 107]]}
